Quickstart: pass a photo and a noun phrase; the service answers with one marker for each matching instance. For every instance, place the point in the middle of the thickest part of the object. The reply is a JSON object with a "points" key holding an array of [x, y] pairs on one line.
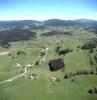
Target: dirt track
{"points": [[4, 53]]}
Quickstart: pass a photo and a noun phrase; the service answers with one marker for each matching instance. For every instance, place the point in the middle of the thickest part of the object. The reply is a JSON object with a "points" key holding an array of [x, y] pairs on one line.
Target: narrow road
{"points": [[15, 77], [25, 69], [4, 53]]}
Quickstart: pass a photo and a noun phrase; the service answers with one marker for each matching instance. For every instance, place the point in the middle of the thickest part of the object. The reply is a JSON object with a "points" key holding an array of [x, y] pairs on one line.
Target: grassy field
{"points": [[43, 88]]}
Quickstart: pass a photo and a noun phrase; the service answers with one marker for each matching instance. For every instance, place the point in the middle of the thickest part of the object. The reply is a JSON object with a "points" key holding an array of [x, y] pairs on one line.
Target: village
{"points": [[33, 76]]}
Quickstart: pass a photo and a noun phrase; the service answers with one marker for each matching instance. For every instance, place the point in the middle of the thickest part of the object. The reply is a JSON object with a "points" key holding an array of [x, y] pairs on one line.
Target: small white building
{"points": [[18, 65], [46, 49], [29, 65], [52, 79]]}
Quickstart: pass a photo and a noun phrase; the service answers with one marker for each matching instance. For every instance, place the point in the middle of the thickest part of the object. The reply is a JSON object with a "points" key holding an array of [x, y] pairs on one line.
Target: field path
{"points": [[4, 53], [25, 69], [15, 77]]}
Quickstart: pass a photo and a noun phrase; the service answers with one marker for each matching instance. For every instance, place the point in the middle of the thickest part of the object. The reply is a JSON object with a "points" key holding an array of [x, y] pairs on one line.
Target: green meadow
{"points": [[43, 88]]}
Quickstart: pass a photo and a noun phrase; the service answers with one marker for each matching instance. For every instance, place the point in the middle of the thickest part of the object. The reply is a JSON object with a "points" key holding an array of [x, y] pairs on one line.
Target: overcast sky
{"points": [[47, 9]]}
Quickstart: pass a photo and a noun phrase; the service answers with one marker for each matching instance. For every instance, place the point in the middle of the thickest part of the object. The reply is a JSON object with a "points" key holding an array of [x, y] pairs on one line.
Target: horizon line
{"points": [[48, 19]]}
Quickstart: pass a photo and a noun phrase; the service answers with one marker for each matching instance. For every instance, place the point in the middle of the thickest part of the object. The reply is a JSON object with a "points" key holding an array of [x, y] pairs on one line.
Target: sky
{"points": [[47, 9]]}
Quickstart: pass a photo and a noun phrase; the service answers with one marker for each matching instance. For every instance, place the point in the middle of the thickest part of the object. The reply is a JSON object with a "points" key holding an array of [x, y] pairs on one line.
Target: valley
{"points": [[26, 48]]}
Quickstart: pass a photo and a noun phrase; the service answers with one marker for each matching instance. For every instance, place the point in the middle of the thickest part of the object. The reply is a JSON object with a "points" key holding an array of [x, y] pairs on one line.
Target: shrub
{"points": [[91, 62], [63, 52], [92, 71], [72, 80], [79, 72], [95, 89], [21, 52], [85, 72], [70, 74], [57, 49], [42, 54], [95, 57], [37, 63], [91, 51], [66, 76], [91, 91]]}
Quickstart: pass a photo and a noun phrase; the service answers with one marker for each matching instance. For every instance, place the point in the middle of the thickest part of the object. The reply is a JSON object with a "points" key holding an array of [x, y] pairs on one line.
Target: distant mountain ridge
{"points": [[19, 22], [11, 31], [51, 22]]}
